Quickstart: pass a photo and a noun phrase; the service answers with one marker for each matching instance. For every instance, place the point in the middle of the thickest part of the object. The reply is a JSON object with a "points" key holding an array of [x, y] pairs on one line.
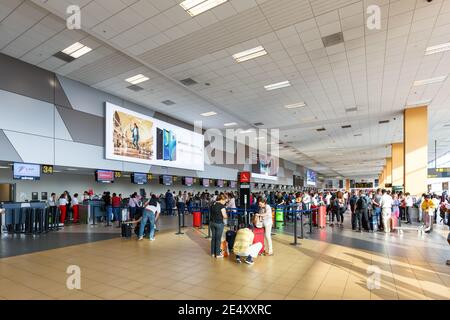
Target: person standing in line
{"points": [[409, 204], [436, 203], [265, 212], [361, 212], [69, 204], [62, 204], [116, 204], [75, 208], [353, 199], [421, 213], [376, 204], [108, 207], [152, 210], [132, 204], [342, 208], [428, 212], [169, 202], [386, 207], [181, 205], [218, 214], [395, 217], [53, 209]]}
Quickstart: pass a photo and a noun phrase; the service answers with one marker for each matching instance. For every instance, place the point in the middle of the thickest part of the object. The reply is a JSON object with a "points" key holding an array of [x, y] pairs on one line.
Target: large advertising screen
{"points": [[26, 171], [311, 178], [134, 137]]}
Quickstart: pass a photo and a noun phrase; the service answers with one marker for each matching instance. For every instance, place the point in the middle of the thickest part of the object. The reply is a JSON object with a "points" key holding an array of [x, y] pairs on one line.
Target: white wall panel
{"points": [[31, 148], [23, 114]]}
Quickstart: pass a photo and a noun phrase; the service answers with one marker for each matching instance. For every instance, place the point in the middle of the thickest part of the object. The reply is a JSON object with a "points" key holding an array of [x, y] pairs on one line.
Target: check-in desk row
{"points": [[28, 218]]}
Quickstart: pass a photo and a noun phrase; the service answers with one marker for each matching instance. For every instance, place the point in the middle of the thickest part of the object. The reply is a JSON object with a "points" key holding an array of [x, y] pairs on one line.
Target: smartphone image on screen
{"points": [[166, 151], [173, 147], [159, 143]]}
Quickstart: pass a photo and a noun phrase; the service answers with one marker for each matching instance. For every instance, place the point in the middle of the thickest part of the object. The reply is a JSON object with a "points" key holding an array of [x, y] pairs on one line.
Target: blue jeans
{"points": [[109, 212], [150, 217], [377, 213], [181, 207], [117, 214], [216, 237], [169, 209], [132, 212]]}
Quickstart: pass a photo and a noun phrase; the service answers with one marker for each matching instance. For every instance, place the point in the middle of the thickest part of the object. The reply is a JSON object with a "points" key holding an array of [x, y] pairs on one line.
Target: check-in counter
{"points": [[25, 217], [96, 210], [83, 212]]}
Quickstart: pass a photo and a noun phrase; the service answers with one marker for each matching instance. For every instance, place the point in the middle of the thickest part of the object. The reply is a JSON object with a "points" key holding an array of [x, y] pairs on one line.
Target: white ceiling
{"points": [[373, 70]]}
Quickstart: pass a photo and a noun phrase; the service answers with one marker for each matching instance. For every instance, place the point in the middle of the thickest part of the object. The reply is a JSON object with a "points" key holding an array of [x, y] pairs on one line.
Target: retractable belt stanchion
{"points": [[209, 225], [179, 225], [302, 236], [183, 225], [295, 243]]}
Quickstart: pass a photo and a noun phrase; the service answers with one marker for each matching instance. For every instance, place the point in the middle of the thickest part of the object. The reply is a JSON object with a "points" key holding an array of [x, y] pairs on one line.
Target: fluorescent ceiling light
{"points": [[230, 124], [277, 85], [2, 167], [195, 7], [246, 131], [250, 54], [56, 171], [438, 48], [260, 138], [71, 169], [77, 50], [429, 81], [295, 105], [421, 102], [208, 114], [137, 79]]}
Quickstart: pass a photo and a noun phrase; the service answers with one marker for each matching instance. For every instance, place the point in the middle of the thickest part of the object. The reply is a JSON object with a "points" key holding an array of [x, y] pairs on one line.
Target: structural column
{"points": [[347, 184], [397, 165], [415, 149], [388, 172]]}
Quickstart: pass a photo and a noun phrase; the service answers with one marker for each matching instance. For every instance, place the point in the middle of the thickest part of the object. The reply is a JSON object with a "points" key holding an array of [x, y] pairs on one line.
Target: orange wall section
{"points": [[397, 164], [415, 133]]}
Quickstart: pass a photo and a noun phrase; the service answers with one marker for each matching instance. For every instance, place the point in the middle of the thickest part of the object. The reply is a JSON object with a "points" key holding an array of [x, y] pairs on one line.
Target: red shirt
{"points": [[116, 201]]}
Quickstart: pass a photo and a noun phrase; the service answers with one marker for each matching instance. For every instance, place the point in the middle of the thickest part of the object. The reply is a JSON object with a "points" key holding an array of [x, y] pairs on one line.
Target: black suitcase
{"points": [[126, 230], [230, 235]]}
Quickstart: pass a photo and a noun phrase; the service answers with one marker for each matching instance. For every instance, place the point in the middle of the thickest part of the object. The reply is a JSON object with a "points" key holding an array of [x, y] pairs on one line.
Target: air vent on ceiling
{"points": [[321, 129], [357, 135], [135, 88], [64, 57], [188, 82], [447, 125], [258, 124], [351, 109], [333, 39], [346, 126], [383, 121], [168, 102]]}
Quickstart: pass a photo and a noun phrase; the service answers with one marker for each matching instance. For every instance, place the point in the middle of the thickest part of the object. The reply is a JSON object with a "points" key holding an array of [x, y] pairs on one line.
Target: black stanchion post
{"points": [[295, 243], [209, 225], [179, 225], [302, 236], [183, 226], [310, 220], [201, 218]]}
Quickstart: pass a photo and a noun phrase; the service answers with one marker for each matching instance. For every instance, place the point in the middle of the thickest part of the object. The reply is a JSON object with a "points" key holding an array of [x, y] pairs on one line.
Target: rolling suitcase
{"points": [[259, 237], [230, 235], [322, 217], [126, 230]]}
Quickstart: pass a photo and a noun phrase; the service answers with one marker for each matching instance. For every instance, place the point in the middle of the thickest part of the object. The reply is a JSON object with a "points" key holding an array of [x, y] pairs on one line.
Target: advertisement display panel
{"points": [[134, 137]]}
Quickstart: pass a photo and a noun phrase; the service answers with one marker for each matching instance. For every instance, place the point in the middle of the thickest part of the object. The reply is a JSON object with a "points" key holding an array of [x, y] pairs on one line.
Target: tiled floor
{"points": [[179, 267]]}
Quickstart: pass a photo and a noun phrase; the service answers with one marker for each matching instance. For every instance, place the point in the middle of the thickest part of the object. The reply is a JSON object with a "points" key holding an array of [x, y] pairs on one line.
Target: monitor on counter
{"points": [[232, 184], [139, 178], [166, 180], [26, 171], [104, 176], [205, 183], [188, 181], [219, 183]]}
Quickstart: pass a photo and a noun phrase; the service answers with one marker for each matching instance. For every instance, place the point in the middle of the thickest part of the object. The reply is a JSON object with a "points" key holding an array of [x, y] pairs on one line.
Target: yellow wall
{"points": [[388, 172], [415, 133], [397, 164], [347, 184]]}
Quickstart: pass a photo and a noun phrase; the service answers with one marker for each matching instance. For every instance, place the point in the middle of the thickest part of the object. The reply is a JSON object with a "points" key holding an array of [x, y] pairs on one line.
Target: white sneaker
{"points": [[152, 239], [140, 238]]}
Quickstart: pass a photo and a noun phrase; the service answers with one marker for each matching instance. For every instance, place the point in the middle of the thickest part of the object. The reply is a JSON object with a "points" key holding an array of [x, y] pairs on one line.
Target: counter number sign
{"points": [[117, 174], [47, 169]]}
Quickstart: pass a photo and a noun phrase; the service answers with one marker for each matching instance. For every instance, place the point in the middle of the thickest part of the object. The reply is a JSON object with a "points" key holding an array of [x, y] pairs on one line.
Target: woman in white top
{"points": [[75, 208], [62, 203], [265, 212]]}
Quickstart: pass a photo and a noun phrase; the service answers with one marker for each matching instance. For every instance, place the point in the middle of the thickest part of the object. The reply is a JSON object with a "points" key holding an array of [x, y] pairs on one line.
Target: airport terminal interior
{"points": [[224, 150]]}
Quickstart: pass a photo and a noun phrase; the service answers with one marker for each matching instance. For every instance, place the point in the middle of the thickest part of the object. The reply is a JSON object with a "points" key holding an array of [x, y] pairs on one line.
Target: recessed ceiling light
{"points": [[429, 81], [230, 124], [71, 169], [438, 48], [137, 79], [277, 85], [195, 7], [260, 138], [358, 135], [250, 54], [77, 50], [295, 105], [246, 131], [208, 114]]}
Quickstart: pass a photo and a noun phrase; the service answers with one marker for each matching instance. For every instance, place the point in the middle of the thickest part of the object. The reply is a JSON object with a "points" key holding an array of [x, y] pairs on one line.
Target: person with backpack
{"points": [[169, 202], [352, 201], [152, 210], [361, 211], [335, 210]]}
